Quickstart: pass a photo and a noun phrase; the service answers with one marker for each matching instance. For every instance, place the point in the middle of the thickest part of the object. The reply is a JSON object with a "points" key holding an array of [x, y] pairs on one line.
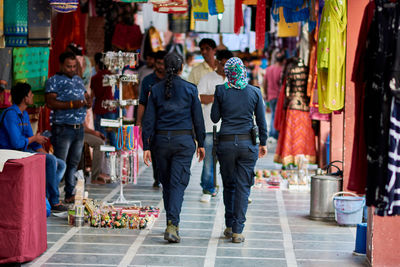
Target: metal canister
{"points": [[79, 213], [322, 189]]}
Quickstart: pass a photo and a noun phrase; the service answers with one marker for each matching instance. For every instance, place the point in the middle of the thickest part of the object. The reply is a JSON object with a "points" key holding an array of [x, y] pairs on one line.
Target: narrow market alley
{"points": [[278, 232]]}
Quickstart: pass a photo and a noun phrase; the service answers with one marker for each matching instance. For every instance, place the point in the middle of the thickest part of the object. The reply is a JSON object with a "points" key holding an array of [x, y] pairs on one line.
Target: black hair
{"points": [[160, 54], [66, 55], [76, 49], [173, 64], [280, 56], [189, 55], [209, 42], [224, 54], [98, 59], [19, 91]]}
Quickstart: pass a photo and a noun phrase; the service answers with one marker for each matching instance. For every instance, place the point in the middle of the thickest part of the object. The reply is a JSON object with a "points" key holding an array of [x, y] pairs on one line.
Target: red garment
{"points": [[100, 92], [260, 24], [238, 23], [127, 37], [23, 232], [273, 77], [280, 112], [358, 168]]}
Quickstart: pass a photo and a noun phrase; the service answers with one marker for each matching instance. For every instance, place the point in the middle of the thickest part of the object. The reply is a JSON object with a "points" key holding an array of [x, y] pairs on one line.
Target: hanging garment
{"points": [[254, 20], [16, 22], [293, 10], [296, 136], [39, 16], [304, 53], [6, 66], [260, 25], [200, 9], [378, 69], [238, 22], [157, 20], [30, 65], [172, 7], [358, 167], [95, 35], [127, 37], [2, 38], [64, 6], [331, 56], [179, 23], [287, 29]]}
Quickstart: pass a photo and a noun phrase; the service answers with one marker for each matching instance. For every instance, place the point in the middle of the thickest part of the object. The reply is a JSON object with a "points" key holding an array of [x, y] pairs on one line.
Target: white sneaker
{"points": [[272, 140], [205, 198]]}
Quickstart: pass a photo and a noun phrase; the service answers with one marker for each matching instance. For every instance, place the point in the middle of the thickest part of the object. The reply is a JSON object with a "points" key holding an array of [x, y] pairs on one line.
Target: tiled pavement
{"points": [[278, 233]]}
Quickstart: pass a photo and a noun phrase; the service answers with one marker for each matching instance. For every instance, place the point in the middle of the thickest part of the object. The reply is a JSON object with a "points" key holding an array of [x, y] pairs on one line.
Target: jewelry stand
{"points": [[115, 62]]}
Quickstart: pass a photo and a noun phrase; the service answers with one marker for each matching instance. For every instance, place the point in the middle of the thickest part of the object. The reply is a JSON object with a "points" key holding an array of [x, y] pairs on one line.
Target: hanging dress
{"points": [[331, 56]]}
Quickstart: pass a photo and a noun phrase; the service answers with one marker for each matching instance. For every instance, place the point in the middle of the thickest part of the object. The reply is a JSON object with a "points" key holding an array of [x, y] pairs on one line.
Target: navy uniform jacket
{"points": [[181, 112], [236, 108]]}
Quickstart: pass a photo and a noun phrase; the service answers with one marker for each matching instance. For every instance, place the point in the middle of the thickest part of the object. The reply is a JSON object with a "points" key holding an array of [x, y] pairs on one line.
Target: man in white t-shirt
{"points": [[206, 89]]}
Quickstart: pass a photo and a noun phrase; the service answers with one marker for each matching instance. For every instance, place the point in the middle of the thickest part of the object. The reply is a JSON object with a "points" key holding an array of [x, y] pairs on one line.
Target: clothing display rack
{"points": [[116, 62]]}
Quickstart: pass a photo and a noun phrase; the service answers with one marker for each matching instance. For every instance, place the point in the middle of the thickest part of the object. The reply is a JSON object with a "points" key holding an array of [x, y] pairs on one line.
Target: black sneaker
{"points": [[59, 208], [156, 184]]}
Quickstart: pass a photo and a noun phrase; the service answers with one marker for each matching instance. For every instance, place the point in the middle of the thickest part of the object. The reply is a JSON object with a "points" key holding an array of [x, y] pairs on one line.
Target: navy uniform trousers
{"points": [[237, 161], [173, 154]]}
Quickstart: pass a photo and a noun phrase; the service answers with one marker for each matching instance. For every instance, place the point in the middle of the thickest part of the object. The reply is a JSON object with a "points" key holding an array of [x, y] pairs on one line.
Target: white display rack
{"points": [[116, 62]]}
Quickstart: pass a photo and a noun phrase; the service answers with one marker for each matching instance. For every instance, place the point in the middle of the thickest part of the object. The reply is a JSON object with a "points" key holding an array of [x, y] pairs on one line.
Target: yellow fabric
{"points": [[155, 40], [287, 29], [331, 56], [250, 2], [2, 40], [192, 21], [220, 6], [198, 72], [200, 9]]}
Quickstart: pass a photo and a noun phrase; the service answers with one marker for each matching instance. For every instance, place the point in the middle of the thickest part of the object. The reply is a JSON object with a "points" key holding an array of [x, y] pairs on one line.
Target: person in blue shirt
{"points": [[16, 134], [157, 76], [173, 112], [235, 103], [66, 95]]}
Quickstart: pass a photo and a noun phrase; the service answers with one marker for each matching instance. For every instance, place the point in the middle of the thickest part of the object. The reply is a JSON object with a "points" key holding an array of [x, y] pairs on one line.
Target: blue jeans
{"points": [[55, 169], [237, 160], [207, 178], [173, 156], [110, 135], [68, 143], [272, 131]]}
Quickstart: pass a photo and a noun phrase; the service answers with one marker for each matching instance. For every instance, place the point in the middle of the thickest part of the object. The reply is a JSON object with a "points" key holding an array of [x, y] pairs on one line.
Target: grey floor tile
{"points": [[184, 233], [261, 212], [185, 241], [196, 225], [58, 228], [266, 227], [108, 232], [323, 255], [222, 262], [54, 237], [102, 239], [168, 249], [76, 265], [82, 259], [94, 248], [357, 262], [333, 246], [250, 253], [261, 235], [317, 237], [275, 244], [176, 261]]}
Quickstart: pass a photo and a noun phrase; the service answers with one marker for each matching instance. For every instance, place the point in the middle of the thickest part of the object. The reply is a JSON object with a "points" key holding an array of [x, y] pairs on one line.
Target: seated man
{"points": [[16, 133]]}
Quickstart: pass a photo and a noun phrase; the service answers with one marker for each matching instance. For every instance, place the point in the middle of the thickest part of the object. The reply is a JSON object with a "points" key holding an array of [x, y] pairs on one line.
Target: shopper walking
{"points": [[206, 89], [173, 112], [208, 48], [235, 103], [145, 87], [272, 85], [66, 96], [16, 134]]}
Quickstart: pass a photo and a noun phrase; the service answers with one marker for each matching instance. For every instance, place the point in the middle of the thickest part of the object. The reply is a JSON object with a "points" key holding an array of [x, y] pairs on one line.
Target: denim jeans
{"points": [[110, 135], [68, 143], [55, 169], [237, 160], [207, 178], [173, 156], [272, 131]]}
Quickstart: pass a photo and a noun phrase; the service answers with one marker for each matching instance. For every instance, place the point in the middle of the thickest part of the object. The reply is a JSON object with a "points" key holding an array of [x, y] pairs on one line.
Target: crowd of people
{"points": [[179, 104]]}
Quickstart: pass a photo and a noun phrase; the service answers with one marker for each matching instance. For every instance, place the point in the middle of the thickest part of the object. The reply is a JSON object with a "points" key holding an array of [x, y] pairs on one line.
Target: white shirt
{"points": [[207, 86]]}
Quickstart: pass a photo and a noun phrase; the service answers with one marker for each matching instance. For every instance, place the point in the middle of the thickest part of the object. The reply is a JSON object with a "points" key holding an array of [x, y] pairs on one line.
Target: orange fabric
{"points": [[296, 138], [280, 112]]}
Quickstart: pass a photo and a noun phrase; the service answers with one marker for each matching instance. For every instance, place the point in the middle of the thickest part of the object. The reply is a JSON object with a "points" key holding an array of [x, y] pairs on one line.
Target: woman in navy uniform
{"points": [[236, 102], [173, 110]]}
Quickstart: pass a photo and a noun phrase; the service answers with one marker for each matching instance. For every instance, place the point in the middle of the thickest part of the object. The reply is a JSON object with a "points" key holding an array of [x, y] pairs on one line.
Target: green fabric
{"points": [[16, 17], [31, 66], [331, 56]]}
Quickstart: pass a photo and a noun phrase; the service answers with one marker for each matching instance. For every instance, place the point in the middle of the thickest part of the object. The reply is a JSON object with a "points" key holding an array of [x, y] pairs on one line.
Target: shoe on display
{"points": [[228, 232], [205, 198], [70, 199], [172, 233], [237, 238], [59, 208]]}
